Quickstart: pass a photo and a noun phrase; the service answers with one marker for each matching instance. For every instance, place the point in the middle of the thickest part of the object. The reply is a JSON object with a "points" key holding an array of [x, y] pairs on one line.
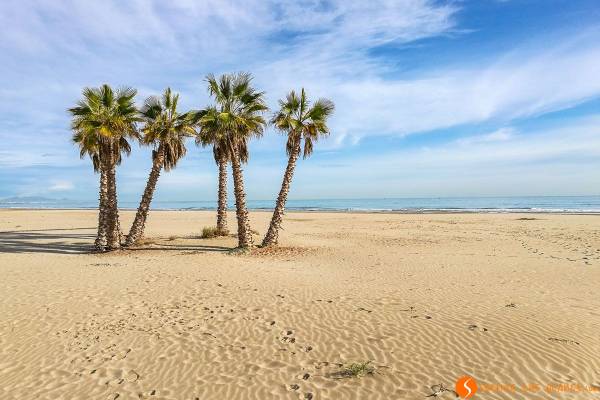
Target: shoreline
{"points": [[336, 211]]}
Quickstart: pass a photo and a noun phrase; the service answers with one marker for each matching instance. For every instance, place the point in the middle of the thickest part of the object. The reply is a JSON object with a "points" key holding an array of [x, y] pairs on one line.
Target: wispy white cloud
{"points": [[61, 186], [56, 48], [320, 45], [498, 135], [520, 84], [563, 158]]}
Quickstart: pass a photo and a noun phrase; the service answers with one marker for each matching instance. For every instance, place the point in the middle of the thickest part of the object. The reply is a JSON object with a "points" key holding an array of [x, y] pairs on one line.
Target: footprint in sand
{"points": [[287, 336], [121, 356], [475, 328], [132, 376], [421, 316]]}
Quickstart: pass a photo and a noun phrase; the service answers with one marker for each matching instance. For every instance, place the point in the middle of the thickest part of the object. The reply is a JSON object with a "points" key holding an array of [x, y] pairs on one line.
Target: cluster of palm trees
{"points": [[104, 122]]}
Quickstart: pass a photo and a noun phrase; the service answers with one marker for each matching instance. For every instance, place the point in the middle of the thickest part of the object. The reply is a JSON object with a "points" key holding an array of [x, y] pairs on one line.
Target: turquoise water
{"points": [[574, 204]]}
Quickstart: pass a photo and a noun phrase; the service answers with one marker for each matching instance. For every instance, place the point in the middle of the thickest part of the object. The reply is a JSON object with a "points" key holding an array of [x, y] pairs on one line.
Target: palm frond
{"points": [[165, 128], [300, 120], [104, 116], [235, 117]]}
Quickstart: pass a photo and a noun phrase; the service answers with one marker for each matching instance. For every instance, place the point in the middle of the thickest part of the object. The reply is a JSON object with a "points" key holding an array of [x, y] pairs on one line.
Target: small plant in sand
{"points": [[356, 370], [209, 232]]}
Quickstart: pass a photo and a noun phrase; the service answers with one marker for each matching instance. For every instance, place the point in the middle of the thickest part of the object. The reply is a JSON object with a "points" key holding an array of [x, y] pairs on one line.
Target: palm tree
{"points": [[89, 145], [237, 117], [298, 120], [166, 130], [110, 117], [211, 135]]}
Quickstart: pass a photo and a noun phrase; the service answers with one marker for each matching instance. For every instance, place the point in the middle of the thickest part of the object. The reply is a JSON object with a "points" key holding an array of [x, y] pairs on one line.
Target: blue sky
{"points": [[434, 98]]}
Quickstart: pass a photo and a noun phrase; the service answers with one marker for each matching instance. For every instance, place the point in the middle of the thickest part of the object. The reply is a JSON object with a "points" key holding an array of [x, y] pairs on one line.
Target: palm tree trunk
{"points": [[137, 228], [222, 205], [100, 242], [120, 231], [273, 232], [244, 232], [112, 215]]}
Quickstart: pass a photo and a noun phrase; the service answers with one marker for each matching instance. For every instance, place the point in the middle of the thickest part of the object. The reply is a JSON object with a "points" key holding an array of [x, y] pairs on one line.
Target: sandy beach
{"points": [[510, 299]]}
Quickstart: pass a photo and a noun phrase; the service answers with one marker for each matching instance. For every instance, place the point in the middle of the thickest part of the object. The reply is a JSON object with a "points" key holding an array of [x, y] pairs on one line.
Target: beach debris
{"points": [[308, 396], [306, 376], [565, 341], [439, 389], [364, 309], [511, 305], [295, 386]]}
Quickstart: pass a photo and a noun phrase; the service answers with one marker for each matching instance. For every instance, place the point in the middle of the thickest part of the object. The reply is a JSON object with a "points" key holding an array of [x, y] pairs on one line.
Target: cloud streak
{"points": [[517, 85], [564, 158]]}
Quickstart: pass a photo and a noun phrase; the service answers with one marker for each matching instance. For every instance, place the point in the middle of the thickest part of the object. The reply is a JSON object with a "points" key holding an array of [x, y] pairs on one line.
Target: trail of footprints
{"points": [[288, 336], [566, 246], [93, 359]]}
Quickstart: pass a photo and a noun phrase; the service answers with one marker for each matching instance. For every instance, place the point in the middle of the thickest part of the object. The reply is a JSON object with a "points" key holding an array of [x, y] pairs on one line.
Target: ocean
{"points": [[554, 204]]}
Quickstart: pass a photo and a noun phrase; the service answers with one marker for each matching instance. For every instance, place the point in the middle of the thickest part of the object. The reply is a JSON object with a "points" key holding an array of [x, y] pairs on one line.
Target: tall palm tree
{"points": [[211, 135], [89, 145], [166, 130], [238, 118], [299, 121], [111, 117]]}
